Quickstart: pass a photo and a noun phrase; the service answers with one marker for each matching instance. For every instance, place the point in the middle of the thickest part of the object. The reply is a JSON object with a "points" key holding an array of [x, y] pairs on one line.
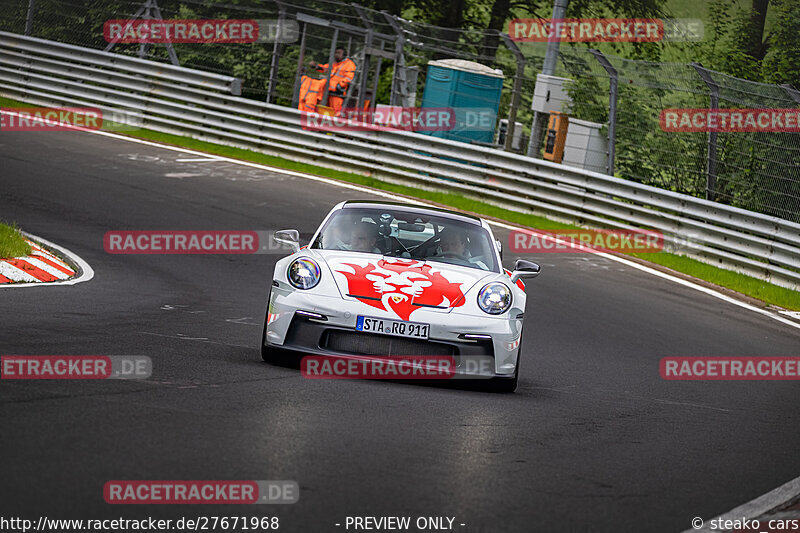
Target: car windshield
{"points": [[410, 235]]}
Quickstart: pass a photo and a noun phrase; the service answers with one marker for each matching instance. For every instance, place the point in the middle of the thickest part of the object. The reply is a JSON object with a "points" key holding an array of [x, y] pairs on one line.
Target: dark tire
{"points": [[506, 385]]}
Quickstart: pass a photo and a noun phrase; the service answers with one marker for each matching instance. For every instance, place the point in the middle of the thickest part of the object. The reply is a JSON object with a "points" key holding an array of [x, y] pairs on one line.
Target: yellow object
{"points": [[556, 137]]}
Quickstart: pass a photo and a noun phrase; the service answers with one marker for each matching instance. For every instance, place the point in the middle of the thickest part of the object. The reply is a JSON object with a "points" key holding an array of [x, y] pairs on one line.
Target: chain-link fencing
{"points": [[614, 106]]}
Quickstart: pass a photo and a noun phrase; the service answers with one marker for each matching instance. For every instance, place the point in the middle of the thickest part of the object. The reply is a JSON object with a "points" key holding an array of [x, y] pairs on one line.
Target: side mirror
{"points": [[288, 237], [499, 246], [524, 269]]}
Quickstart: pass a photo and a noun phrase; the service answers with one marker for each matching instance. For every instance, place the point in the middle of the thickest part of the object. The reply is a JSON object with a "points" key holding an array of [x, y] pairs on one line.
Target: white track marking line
{"points": [[759, 506], [86, 271], [766, 502], [181, 175], [15, 274], [336, 183], [664, 275]]}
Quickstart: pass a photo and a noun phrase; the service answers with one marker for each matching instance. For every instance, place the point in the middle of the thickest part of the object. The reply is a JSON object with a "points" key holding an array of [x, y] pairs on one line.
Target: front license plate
{"points": [[398, 328]]}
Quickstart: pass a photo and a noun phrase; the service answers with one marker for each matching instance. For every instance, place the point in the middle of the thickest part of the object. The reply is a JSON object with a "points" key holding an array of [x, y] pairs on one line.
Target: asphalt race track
{"points": [[593, 439]]}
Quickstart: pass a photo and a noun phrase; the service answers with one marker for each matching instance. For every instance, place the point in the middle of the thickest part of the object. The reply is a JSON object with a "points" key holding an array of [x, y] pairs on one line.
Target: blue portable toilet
{"points": [[472, 90]]}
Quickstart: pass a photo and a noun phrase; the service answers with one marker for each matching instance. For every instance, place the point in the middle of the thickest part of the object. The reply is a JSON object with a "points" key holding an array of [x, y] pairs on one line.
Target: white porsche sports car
{"points": [[382, 279]]}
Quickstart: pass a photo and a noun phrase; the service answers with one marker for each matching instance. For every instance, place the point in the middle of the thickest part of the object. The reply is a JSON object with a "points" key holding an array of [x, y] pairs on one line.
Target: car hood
{"points": [[400, 286]]}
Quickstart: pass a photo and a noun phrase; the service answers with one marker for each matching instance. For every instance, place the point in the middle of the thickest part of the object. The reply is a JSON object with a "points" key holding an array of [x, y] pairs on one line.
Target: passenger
{"points": [[338, 237]]}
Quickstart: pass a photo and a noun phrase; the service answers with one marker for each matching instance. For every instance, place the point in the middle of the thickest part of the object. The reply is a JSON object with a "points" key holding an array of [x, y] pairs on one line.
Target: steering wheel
{"points": [[417, 250], [453, 259]]}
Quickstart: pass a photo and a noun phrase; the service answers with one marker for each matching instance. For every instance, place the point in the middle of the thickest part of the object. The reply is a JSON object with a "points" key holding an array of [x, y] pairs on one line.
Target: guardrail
{"points": [[187, 102], [95, 66]]}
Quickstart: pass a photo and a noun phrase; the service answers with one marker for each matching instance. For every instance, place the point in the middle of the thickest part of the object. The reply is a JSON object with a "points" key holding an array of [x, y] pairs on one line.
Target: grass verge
{"points": [[12, 243], [747, 285]]}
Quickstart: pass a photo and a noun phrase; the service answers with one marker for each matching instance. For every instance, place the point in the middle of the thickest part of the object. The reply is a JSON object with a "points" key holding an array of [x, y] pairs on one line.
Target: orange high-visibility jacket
{"points": [[342, 74], [310, 93]]}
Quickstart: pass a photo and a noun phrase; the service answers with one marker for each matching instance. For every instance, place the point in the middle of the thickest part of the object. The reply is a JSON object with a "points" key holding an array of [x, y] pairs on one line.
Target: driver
{"points": [[453, 243], [364, 237]]}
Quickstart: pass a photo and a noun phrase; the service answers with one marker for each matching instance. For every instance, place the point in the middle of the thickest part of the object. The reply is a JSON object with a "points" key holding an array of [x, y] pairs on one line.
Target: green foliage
{"points": [[12, 243], [728, 49], [753, 172], [732, 55], [782, 61]]}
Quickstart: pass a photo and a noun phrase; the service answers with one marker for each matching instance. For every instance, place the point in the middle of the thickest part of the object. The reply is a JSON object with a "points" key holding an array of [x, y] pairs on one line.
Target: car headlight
{"points": [[304, 273], [494, 298]]}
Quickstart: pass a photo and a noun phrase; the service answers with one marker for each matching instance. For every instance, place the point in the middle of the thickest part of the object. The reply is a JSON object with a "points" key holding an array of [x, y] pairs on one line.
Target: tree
{"points": [[501, 12], [448, 14], [752, 36], [781, 63]]}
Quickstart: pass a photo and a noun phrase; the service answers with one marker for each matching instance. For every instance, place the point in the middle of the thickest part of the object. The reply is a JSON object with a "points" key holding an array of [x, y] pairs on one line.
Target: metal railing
{"points": [[614, 101], [177, 100], [37, 55]]}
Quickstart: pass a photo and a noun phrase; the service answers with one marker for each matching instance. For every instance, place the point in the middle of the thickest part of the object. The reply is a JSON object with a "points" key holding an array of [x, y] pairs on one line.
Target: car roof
{"points": [[411, 208]]}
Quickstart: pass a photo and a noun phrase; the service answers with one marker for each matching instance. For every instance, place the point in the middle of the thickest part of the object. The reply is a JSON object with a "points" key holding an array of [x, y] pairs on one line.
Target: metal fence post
{"points": [[399, 59], [148, 11], [135, 16], [330, 66], [374, 93], [711, 164], [515, 96], [300, 66], [144, 48], [362, 90], [613, 83], [29, 17], [173, 57], [276, 53], [549, 68], [363, 82]]}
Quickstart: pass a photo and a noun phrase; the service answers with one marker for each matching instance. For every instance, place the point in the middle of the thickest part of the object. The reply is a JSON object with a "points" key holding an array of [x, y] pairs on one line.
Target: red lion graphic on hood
{"points": [[399, 285]]}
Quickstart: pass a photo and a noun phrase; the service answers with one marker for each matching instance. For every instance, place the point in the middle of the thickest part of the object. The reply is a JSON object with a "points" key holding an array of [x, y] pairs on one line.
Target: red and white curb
{"points": [[42, 267]]}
